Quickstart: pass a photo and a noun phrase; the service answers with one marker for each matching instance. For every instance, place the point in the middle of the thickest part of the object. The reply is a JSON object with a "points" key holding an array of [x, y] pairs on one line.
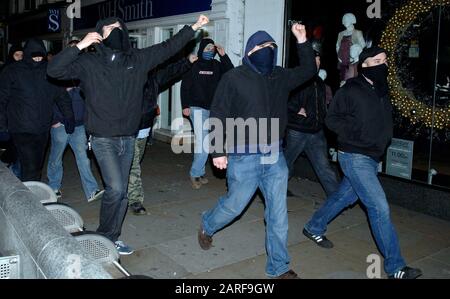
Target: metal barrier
{"points": [[45, 248]]}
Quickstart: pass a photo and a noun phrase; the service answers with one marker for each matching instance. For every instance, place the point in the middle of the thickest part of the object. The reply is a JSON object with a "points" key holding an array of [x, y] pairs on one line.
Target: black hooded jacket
{"points": [[312, 97], [27, 96], [158, 81], [244, 93], [14, 48], [361, 119], [112, 81], [199, 84]]}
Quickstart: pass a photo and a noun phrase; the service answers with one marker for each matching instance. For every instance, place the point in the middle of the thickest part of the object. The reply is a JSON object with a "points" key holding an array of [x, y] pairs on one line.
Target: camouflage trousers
{"points": [[135, 189]]}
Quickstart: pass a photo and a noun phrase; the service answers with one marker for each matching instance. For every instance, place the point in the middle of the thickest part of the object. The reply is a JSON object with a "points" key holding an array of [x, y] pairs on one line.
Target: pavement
{"points": [[166, 245]]}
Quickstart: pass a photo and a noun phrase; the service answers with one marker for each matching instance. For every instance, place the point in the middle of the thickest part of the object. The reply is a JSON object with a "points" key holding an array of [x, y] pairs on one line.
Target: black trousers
{"points": [[31, 154]]}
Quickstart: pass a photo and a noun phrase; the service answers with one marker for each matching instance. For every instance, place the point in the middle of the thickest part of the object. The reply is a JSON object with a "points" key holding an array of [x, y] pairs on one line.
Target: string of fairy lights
{"points": [[405, 101]]}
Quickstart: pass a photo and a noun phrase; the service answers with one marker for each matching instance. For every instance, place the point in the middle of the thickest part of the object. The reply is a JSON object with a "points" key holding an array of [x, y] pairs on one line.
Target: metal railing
{"points": [[28, 230]]}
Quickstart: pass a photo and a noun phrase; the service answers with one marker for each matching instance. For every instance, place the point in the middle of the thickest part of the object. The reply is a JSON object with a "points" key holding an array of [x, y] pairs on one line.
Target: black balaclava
{"points": [[115, 39], [34, 48], [378, 75], [263, 60]]}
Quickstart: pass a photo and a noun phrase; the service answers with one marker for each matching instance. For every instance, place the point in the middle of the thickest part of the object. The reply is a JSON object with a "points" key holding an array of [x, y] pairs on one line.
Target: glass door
{"points": [[166, 98]]}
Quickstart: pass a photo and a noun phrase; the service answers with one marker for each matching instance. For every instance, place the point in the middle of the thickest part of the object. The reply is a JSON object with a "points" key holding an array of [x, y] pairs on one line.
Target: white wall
{"points": [[267, 15]]}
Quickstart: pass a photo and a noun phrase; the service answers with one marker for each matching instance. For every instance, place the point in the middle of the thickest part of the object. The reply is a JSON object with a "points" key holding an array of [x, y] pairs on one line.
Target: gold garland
{"points": [[403, 99]]}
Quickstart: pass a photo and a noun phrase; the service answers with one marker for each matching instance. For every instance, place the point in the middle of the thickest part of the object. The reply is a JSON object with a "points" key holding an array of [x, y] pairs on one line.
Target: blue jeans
{"points": [[245, 175], [114, 156], [78, 143], [361, 181], [15, 168], [199, 117], [315, 146]]}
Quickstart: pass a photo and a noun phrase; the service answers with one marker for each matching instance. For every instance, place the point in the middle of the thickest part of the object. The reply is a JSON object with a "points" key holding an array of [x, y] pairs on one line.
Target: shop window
{"points": [[420, 84]]}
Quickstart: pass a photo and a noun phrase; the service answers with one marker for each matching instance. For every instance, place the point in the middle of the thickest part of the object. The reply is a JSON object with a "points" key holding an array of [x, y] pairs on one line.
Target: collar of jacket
{"points": [[249, 70]]}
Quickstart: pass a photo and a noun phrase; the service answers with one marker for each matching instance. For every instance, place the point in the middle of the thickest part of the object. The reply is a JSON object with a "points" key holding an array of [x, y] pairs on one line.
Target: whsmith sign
{"points": [[136, 10]]}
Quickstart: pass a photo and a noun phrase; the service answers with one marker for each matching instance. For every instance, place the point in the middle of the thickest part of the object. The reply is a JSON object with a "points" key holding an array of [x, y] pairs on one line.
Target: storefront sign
{"points": [[54, 20], [135, 10], [399, 158]]}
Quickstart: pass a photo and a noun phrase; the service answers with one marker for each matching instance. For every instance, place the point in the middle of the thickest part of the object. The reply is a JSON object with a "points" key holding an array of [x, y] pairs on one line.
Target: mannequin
{"points": [[352, 70], [346, 39]]}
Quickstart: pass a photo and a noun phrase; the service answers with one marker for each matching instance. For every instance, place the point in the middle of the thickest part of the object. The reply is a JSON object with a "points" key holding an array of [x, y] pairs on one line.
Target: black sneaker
{"points": [[96, 195], [406, 273], [58, 194], [138, 209], [322, 241]]}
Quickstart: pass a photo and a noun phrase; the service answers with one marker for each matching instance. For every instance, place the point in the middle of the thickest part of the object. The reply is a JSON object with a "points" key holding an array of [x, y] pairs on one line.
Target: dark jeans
{"points": [[361, 182], [31, 154], [315, 146], [114, 156], [245, 174]]}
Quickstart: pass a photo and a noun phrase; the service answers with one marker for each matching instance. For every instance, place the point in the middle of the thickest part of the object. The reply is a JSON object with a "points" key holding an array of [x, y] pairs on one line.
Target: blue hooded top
{"points": [[259, 38]]}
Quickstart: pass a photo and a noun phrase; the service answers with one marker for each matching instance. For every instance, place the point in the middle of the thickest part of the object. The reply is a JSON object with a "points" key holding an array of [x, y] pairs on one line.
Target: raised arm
{"points": [[174, 71], [65, 65], [157, 54], [225, 61], [307, 67]]}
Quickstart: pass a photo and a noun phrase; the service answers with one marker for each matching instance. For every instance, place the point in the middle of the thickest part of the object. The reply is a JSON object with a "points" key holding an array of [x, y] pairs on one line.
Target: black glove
{"points": [[4, 136], [69, 125]]}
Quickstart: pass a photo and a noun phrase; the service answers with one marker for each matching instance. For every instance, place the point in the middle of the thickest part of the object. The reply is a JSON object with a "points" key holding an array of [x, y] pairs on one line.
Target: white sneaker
{"points": [[58, 194], [96, 195]]}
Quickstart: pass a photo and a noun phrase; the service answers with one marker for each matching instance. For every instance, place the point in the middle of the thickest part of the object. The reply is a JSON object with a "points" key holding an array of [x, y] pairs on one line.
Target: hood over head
{"points": [[203, 43], [34, 47], [259, 38], [108, 21], [14, 48]]}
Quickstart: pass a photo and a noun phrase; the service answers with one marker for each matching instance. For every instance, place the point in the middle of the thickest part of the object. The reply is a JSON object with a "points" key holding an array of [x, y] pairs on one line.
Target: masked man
{"points": [[112, 79], [361, 116], [257, 92]]}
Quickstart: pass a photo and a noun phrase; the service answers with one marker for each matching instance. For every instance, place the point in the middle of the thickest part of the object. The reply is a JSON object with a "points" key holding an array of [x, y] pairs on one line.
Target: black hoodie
{"points": [[27, 96], [14, 48], [113, 82], [158, 81], [312, 97], [361, 119], [244, 93], [200, 83]]}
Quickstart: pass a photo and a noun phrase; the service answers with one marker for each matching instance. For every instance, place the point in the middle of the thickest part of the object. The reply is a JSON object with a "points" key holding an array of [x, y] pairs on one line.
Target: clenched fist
{"points": [[202, 21], [299, 31], [89, 39], [221, 163], [192, 58]]}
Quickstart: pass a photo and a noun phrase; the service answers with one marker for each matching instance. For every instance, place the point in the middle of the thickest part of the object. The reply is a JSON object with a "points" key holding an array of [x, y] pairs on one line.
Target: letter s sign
{"points": [[54, 20]]}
